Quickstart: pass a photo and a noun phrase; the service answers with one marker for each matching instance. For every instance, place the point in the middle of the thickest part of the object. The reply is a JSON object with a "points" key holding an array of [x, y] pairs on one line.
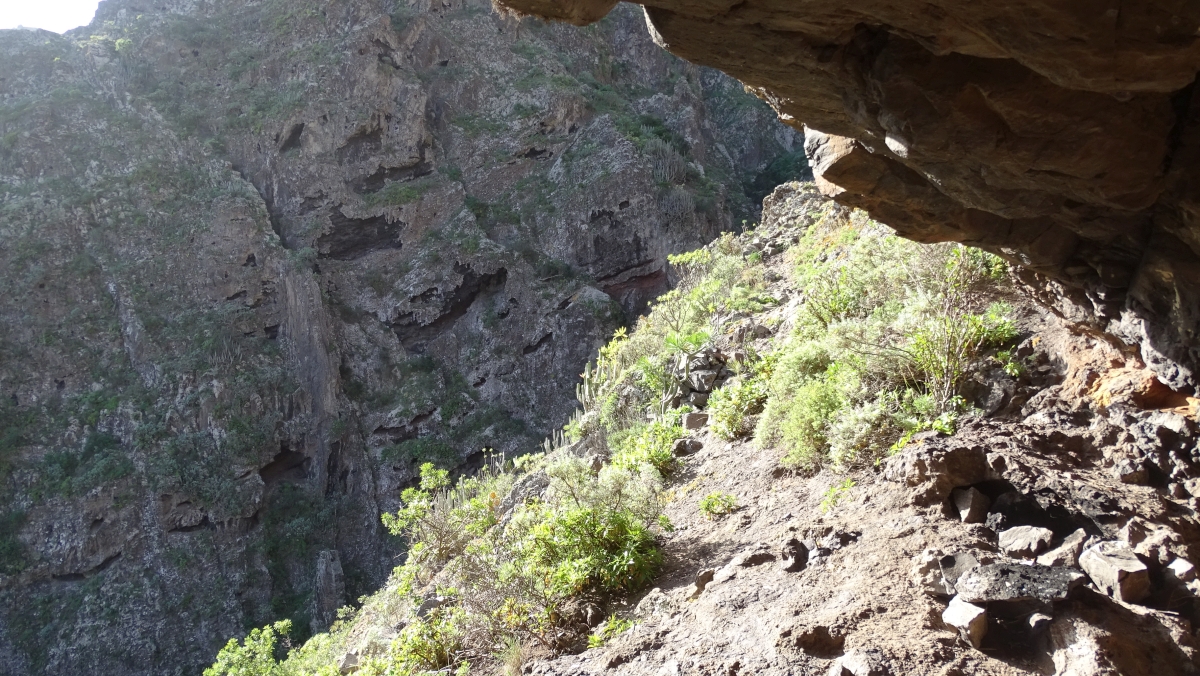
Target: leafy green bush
{"points": [[717, 504], [888, 331], [648, 444], [730, 406]]}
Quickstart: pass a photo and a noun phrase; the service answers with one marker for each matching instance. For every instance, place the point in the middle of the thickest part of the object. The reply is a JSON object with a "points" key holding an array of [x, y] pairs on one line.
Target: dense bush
{"points": [[886, 335]]}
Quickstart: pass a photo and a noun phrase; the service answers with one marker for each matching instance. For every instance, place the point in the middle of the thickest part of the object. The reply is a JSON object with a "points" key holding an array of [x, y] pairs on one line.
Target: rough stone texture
{"points": [[972, 505], [1061, 135], [1067, 553], [1016, 582], [935, 467], [694, 421], [1116, 571], [970, 620], [1025, 542]]}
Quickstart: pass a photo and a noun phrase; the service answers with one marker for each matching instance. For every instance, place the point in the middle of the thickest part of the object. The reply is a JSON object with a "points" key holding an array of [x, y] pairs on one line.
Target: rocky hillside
{"points": [[871, 458], [264, 259]]}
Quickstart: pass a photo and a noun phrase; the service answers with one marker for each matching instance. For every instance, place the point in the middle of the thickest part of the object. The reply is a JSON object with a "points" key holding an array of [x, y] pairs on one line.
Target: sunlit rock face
{"points": [[1061, 134]]}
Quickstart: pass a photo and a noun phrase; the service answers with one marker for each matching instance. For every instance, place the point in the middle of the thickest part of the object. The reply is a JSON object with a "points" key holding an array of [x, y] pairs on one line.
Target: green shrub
{"points": [[717, 504], [835, 493], [649, 444], [254, 656], [730, 405]]}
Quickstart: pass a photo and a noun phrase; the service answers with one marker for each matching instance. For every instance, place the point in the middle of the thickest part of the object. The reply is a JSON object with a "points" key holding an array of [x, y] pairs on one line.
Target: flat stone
{"points": [[1025, 542], [1066, 554], [694, 421], [754, 556], [1016, 582], [1116, 570], [970, 620]]}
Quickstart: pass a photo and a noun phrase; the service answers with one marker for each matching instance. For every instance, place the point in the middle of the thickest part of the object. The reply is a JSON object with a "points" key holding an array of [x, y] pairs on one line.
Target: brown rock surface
{"points": [[1059, 134]]}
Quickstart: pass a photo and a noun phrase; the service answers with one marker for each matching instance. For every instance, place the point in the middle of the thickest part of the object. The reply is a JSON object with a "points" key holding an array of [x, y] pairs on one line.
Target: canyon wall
{"points": [[1060, 134], [262, 259]]}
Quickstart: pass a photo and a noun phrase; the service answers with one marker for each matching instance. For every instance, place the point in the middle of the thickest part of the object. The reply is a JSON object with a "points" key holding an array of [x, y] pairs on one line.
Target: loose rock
{"points": [[970, 620], [1066, 554], [1025, 542], [1116, 571], [955, 565], [972, 505], [684, 447], [694, 421]]}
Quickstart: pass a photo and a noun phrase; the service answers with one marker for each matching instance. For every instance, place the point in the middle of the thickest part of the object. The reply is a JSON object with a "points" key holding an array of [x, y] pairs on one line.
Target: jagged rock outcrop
{"points": [[263, 259], [1062, 135]]}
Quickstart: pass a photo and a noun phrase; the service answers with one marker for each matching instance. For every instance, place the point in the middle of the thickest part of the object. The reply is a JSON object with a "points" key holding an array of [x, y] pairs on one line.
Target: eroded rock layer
{"points": [[1061, 134]]}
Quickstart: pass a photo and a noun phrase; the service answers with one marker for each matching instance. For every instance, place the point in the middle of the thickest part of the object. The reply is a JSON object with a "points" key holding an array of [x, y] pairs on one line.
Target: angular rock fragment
{"points": [[1066, 554], [1116, 571], [954, 565], [972, 505], [860, 663], [1016, 582], [1131, 472], [927, 574], [694, 421], [933, 470], [970, 620], [1025, 542]]}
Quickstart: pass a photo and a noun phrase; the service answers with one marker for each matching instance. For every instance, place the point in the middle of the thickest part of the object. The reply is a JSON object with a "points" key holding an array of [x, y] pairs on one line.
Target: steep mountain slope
{"points": [[824, 513], [265, 258]]}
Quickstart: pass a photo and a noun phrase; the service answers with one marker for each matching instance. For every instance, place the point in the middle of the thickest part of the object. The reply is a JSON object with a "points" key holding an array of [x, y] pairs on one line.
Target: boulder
{"points": [[970, 620], [1025, 542], [1016, 582], [972, 505], [933, 470], [694, 421], [1066, 554], [1116, 570], [683, 447]]}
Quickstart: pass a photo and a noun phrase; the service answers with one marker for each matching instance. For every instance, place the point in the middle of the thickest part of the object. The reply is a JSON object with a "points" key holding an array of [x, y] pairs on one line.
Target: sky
{"points": [[52, 15]]}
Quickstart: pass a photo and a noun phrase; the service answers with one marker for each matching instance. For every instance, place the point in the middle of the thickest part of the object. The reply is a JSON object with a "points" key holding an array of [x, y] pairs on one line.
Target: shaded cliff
{"points": [[264, 259], [1060, 135]]}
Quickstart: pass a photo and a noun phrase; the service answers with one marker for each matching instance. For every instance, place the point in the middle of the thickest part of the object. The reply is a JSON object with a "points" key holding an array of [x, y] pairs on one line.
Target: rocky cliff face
{"points": [[264, 258], [1061, 135]]}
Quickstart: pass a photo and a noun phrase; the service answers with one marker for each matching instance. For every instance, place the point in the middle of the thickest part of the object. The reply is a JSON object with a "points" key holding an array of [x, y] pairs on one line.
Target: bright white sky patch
{"points": [[53, 15]]}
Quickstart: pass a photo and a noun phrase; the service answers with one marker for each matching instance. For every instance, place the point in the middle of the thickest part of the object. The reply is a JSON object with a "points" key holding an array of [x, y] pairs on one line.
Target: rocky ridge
{"points": [[266, 258]]}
